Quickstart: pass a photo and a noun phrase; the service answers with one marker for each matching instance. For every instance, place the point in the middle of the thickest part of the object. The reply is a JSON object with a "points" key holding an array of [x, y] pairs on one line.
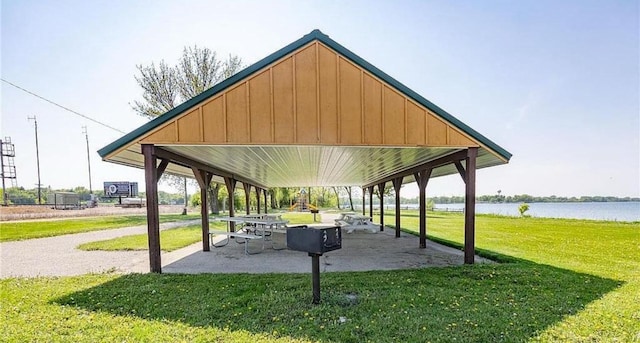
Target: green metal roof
{"points": [[313, 35]]}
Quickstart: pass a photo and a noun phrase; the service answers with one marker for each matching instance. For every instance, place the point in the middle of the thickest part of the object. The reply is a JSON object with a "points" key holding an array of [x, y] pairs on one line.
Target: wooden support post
{"points": [[247, 196], [204, 179], [381, 188], [422, 178], [265, 201], [371, 202], [470, 206], [204, 213], [153, 219], [364, 193], [231, 188], [258, 191], [397, 184]]}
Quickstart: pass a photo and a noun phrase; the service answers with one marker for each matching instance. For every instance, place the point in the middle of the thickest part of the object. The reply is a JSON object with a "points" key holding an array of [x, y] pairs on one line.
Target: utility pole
{"points": [[86, 135], [184, 211], [35, 122]]}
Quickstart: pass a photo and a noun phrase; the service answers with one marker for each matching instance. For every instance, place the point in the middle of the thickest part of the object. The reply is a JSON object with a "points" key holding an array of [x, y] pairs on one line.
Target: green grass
{"points": [[470, 304], [601, 248], [564, 281], [170, 240], [16, 231], [174, 239], [295, 218]]}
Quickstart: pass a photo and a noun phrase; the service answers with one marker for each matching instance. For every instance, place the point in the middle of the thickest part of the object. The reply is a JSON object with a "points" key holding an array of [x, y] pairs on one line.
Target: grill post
{"points": [[315, 276]]}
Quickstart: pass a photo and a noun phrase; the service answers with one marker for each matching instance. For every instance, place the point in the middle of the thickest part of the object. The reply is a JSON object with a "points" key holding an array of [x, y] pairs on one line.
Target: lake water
{"points": [[620, 211]]}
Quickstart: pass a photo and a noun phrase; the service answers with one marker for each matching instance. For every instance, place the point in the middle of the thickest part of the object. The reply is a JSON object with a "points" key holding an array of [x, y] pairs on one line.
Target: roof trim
{"points": [[313, 35]]}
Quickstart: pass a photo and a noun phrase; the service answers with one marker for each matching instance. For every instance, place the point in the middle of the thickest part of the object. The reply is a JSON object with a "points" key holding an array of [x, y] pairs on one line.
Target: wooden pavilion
{"points": [[311, 114]]}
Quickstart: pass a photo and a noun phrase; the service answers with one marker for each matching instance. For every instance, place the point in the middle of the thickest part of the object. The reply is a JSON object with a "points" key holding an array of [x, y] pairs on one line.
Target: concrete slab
{"points": [[360, 251]]}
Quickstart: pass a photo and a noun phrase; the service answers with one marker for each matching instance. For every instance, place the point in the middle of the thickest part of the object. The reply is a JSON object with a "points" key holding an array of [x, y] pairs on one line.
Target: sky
{"points": [[556, 83]]}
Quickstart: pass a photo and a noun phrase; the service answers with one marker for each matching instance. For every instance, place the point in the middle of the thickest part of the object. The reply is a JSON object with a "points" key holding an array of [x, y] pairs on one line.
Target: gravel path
{"points": [[58, 256]]}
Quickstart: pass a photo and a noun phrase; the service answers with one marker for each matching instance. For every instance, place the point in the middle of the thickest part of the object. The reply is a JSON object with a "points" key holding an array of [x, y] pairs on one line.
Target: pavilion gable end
{"points": [[312, 96]]}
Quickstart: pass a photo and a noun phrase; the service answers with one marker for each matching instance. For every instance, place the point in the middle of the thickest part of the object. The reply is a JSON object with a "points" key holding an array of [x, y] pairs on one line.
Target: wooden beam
{"points": [[247, 196], [381, 188], [187, 162], [231, 188], [470, 207], [461, 171], [364, 197], [438, 162], [161, 168], [153, 219], [200, 176], [397, 184], [422, 178]]}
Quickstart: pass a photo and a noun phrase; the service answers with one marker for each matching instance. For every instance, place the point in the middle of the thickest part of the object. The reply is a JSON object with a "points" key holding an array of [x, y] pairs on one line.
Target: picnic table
{"points": [[351, 221], [254, 227]]}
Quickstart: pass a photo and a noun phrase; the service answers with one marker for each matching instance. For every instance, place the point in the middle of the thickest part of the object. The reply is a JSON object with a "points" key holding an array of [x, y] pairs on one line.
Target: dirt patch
{"points": [[10, 213]]}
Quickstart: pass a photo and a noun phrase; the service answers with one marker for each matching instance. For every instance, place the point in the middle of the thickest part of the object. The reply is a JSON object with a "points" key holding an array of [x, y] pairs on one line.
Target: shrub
{"points": [[524, 207]]}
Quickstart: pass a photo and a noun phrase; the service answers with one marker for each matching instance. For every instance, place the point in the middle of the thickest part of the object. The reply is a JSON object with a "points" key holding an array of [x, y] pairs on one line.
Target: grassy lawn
{"points": [[606, 249], [16, 231], [170, 240], [564, 281], [295, 218], [174, 239], [471, 304]]}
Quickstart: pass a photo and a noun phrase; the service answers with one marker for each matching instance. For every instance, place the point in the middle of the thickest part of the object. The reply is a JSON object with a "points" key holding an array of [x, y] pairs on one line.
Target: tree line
{"points": [[525, 198]]}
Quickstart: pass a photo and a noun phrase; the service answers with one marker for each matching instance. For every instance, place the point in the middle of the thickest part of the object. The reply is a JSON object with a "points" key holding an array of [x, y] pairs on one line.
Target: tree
{"points": [[163, 87], [523, 208], [349, 190], [335, 189]]}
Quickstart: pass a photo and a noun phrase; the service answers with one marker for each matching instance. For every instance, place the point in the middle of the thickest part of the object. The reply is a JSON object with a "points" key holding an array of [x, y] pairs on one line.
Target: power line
{"points": [[63, 107]]}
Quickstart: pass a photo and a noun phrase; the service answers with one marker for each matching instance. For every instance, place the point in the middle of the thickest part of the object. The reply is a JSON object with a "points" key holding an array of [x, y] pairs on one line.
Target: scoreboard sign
{"points": [[120, 189]]}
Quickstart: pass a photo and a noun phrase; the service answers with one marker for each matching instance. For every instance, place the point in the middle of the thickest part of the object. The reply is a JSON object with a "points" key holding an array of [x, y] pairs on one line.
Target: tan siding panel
{"points": [[283, 101], [260, 101], [350, 104], [416, 124], [213, 121], [237, 130], [393, 117], [328, 96], [166, 134], [458, 139], [372, 111], [306, 96], [189, 127], [437, 131]]}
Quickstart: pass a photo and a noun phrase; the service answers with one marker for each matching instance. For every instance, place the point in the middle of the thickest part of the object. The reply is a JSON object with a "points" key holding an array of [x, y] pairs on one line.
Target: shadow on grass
{"points": [[497, 302]]}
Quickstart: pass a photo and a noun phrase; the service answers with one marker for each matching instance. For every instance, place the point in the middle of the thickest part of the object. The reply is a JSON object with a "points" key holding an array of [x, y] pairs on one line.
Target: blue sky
{"points": [[554, 82]]}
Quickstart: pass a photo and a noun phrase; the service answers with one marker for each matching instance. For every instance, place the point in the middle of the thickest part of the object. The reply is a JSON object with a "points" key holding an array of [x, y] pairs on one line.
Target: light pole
{"points": [[35, 122], [86, 135]]}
